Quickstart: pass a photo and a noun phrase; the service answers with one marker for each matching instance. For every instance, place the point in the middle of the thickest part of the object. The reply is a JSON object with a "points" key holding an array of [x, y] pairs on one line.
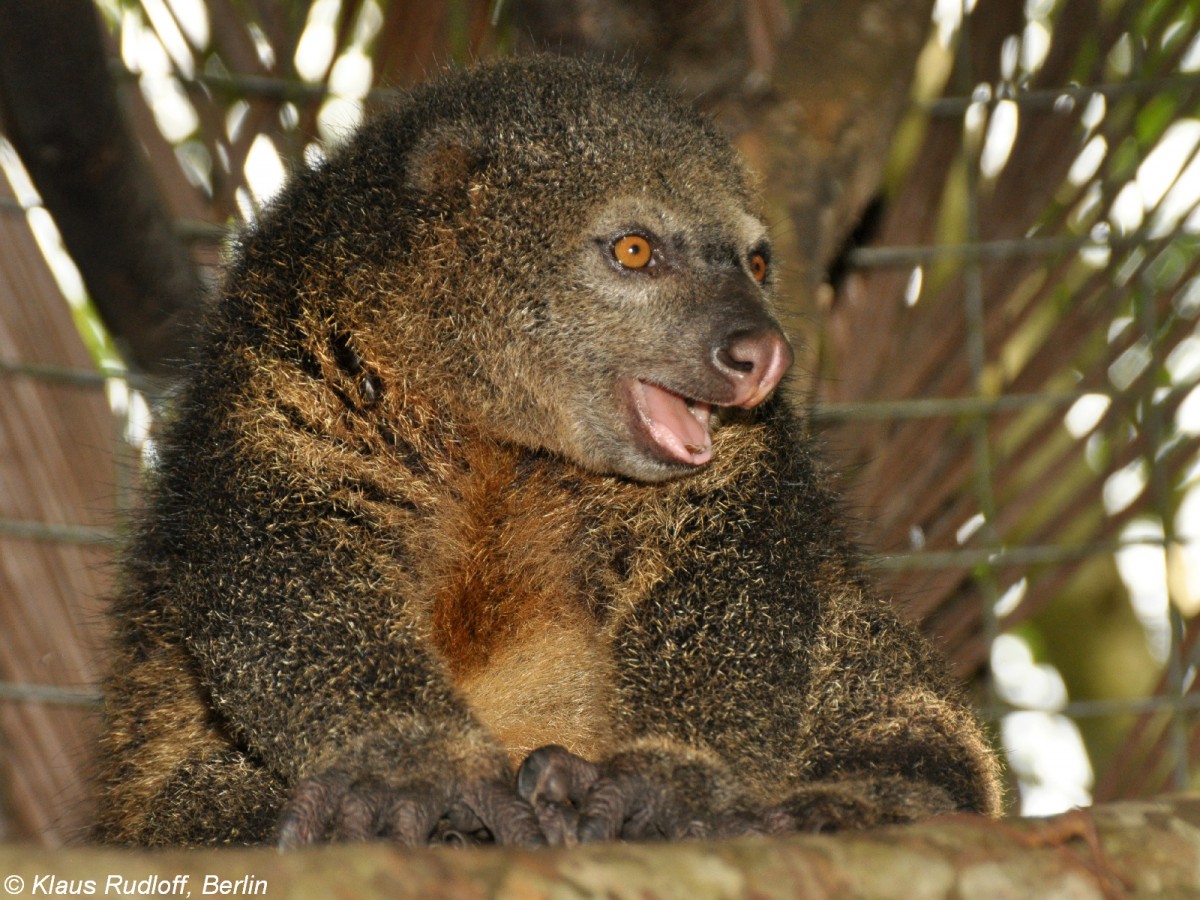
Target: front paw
{"points": [[339, 805], [633, 796]]}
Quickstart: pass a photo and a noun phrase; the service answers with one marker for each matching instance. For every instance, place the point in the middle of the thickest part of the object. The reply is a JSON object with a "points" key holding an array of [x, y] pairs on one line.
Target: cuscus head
{"points": [[597, 246]]}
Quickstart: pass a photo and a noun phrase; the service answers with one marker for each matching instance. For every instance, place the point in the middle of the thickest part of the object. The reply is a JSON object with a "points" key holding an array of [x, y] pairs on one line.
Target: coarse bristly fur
{"points": [[420, 560]]}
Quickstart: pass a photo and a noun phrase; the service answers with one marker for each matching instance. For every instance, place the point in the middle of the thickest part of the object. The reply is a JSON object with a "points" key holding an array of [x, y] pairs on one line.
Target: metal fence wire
{"points": [[1056, 394], [1005, 369]]}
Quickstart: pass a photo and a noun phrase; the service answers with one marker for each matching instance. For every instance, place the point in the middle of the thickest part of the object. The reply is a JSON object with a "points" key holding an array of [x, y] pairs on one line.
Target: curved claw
{"points": [[306, 818], [554, 782], [577, 801], [509, 818], [335, 806], [606, 809], [556, 775]]}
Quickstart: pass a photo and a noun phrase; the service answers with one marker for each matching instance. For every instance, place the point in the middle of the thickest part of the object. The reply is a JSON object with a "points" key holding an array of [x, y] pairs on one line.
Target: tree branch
{"points": [[842, 84], [1149, 848]]}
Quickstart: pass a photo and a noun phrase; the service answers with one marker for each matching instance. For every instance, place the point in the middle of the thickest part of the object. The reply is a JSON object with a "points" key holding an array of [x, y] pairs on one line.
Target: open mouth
{"points": [[677, 426]]}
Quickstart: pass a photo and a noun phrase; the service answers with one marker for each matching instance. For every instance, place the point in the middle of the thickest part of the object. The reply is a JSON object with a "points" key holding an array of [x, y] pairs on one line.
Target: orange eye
{"points": [[758, 267], [632, 251]]}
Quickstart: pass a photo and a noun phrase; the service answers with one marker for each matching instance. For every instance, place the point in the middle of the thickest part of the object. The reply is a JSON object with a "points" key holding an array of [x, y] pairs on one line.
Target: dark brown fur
{"points": [[400, 538]]}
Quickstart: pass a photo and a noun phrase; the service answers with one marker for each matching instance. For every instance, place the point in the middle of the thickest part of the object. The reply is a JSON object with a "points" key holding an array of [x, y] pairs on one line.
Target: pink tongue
{"points": [[673, 426]]}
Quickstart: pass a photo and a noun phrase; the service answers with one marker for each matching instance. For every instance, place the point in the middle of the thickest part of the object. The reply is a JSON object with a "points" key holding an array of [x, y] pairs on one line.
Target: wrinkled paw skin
{"points": [[577, 801], [338, 806], [554, 782]]}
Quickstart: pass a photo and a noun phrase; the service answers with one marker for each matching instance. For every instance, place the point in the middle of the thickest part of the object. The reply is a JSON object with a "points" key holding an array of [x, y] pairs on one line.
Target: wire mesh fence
{"points": [[1005, 366], [1055, 381]]}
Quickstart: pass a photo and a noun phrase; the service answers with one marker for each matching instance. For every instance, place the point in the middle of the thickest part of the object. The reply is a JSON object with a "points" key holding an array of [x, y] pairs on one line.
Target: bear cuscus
{"points": [[478, 516]]}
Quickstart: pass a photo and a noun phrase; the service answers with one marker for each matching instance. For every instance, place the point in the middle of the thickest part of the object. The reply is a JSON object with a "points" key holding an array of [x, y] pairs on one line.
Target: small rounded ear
{"points": [[444, 159]]}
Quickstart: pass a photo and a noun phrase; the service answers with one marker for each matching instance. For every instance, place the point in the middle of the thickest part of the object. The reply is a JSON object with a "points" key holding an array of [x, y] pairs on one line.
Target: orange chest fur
{"points": [[510, 614]]}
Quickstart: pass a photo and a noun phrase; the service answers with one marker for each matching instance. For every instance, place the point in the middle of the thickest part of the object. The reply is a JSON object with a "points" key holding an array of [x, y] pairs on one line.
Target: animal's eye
{"points": [[632, 251], [758, 267]]}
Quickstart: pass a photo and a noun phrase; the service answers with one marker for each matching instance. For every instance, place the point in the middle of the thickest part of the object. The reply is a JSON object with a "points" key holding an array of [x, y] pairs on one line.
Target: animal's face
{"points": [[582, 264], [651, 316], [675, 302]]}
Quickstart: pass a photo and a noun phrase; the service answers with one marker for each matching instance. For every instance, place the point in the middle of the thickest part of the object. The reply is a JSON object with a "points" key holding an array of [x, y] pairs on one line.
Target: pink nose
{"points": [[754, 362]]}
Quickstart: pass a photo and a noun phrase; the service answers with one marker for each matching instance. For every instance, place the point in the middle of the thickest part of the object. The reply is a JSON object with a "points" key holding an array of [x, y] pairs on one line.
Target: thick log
{"points": [[1128, 849]]}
